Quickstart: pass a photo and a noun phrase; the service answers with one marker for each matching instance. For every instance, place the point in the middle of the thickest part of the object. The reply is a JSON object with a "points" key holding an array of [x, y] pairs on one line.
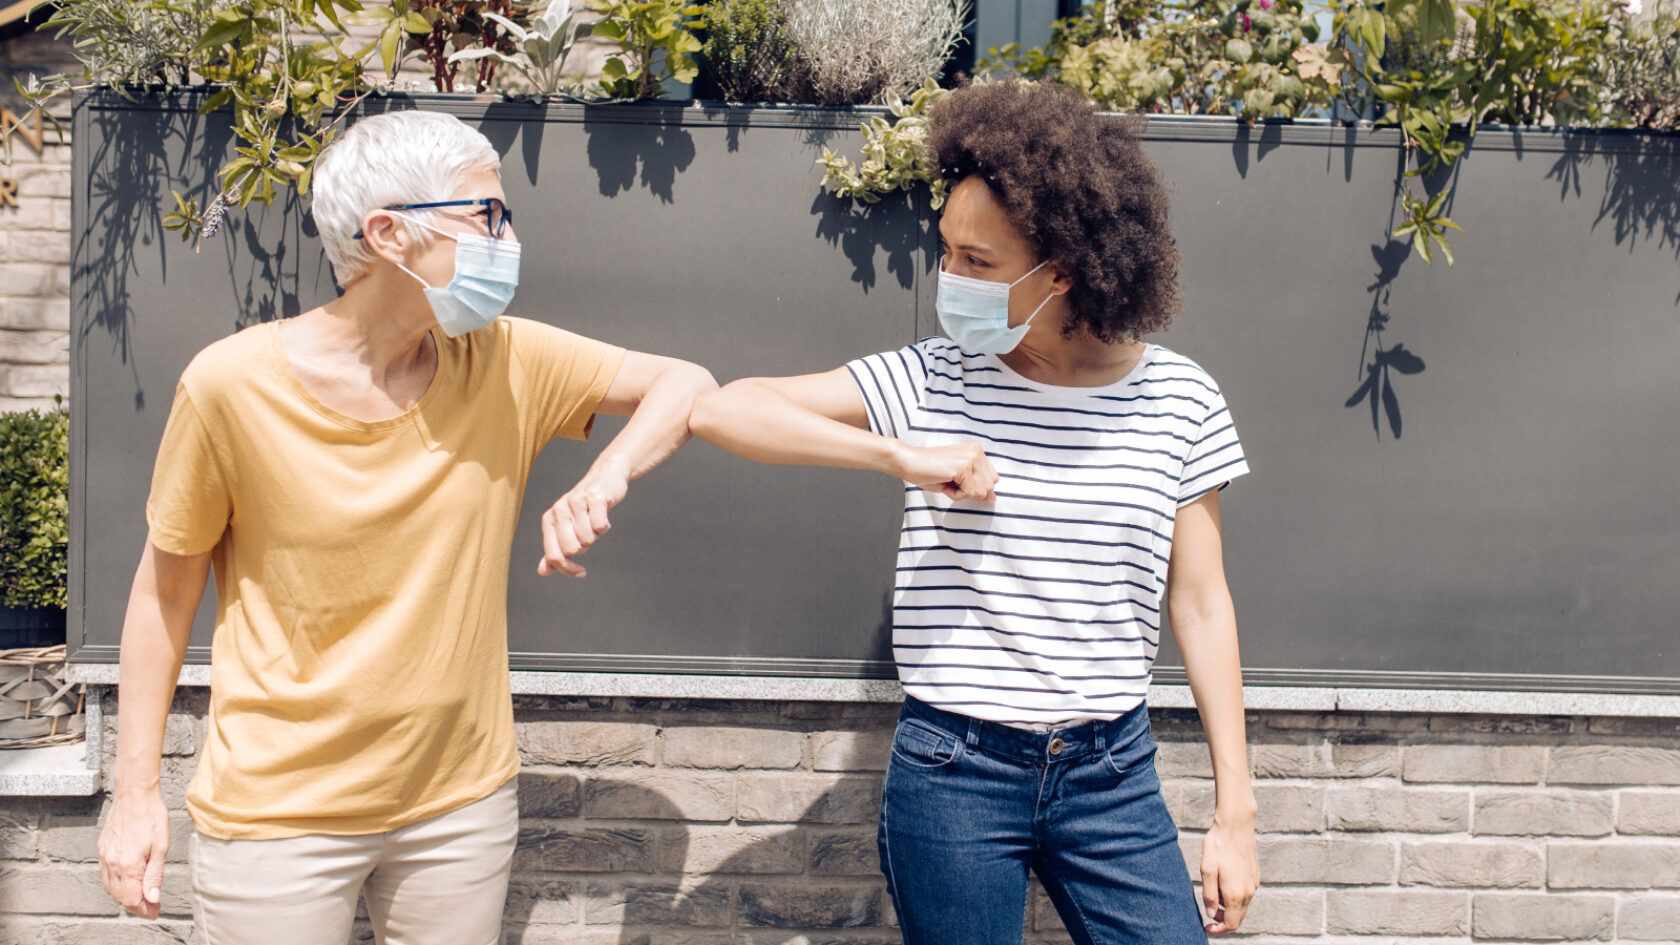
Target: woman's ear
{"points": [[385, 236], [1061, 281]]}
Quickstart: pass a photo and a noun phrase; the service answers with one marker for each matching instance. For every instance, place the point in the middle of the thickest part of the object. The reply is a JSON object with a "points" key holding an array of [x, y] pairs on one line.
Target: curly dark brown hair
{"points": [[1078, 187]]}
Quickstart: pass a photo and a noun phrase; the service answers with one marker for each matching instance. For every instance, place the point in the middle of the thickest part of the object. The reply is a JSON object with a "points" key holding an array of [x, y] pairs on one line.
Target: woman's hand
{"points": [[132, 847], [578, 519], [960, 471], [1230, 871]]}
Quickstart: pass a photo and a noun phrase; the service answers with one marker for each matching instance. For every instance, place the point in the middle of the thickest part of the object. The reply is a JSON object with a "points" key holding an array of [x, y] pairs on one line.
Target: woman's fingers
{"points": [[961, 471], [132, 848], [1210, 894], [556, 535], [1226, 894]]}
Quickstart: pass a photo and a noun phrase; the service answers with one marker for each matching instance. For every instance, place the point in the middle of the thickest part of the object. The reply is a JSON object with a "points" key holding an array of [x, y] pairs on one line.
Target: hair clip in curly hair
{"points": [[967, 165]]}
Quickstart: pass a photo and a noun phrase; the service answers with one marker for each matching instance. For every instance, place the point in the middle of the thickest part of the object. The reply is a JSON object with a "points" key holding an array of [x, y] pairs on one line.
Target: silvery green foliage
{"points": [[854, 52], [543, 46], [133, 42]]}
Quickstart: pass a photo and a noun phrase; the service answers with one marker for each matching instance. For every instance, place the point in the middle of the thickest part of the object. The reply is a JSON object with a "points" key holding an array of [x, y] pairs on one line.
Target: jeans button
{"points": [[1056, 746]]}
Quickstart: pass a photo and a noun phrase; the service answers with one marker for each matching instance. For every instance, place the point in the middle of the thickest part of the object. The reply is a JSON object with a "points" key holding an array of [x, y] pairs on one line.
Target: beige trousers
{"points": [[442, 881]]}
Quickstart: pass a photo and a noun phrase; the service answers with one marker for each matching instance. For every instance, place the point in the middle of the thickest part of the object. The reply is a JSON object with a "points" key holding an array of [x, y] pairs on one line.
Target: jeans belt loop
{"points": [[973, 737], [1102, 743]]}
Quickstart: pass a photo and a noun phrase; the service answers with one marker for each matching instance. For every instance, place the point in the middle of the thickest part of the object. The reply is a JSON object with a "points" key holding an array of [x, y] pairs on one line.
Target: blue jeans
{"points": [[969, 806]]}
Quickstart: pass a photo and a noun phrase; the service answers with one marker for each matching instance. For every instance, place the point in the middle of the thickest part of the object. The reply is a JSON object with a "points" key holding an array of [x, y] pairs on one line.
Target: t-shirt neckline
{"points": [[1148, 355], [284, 365]]}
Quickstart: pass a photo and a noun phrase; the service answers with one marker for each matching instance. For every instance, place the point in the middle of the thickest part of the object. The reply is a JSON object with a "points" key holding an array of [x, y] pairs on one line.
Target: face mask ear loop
{"points": [[1029, 272], [411, 274], [420, 223], [1041, 305], [1040, 308]]}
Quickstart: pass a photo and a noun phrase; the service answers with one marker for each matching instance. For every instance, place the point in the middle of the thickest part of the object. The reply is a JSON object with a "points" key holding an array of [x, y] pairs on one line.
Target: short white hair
{"points": [[392, 158]]}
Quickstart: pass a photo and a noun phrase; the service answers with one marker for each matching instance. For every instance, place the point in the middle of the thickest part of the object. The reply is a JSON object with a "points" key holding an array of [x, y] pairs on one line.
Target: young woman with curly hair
{"points": [[1063, 479]]}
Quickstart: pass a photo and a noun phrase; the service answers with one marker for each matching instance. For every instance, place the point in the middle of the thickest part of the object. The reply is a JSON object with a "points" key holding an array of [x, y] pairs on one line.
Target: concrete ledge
{"points": [[1263, 698], [57, 770]]}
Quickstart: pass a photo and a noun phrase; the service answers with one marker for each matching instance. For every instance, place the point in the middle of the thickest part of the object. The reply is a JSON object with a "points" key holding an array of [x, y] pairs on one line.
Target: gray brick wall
{"points": [[710, 822]]}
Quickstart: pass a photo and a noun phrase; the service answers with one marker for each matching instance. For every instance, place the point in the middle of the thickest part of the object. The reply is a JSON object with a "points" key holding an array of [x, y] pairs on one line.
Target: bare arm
{"points": [[135, 839], [820, 420], [1205, 624], [657, 393]]}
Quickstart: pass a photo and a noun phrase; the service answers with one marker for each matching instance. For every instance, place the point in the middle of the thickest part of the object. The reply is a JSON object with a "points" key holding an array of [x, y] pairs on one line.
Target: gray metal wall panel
{"points": [[1518, 534]]}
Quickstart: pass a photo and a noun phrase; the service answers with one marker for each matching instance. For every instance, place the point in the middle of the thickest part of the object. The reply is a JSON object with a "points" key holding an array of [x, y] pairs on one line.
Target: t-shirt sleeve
{"points": [[190, 501], [566, 377], [891, 383], [1215, 458]]}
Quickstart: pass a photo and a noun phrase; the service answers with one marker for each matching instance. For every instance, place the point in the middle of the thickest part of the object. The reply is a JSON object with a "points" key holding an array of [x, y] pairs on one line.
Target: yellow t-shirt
{"points": [[359, 669]]}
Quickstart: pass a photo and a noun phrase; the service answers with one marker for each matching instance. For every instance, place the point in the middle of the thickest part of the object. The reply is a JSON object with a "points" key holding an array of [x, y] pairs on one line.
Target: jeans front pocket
{"points": [[922, 745], [1126, 757]]}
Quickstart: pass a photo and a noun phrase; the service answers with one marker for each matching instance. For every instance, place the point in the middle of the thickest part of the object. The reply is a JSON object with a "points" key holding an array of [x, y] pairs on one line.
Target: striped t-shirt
{"points": [[1045, 607]]}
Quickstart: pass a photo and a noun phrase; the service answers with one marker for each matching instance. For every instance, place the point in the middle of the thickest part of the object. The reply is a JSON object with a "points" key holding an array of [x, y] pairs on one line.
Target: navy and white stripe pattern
{"points": [[1044, 608]]}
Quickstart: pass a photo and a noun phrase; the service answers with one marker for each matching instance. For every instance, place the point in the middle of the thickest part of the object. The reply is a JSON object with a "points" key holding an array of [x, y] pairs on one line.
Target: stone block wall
{"points": [[34, 238], [708, 822]]}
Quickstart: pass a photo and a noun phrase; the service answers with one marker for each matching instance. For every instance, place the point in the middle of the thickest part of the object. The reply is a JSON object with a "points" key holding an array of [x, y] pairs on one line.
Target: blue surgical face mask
{"points": [[486, 276], [975, 313]]}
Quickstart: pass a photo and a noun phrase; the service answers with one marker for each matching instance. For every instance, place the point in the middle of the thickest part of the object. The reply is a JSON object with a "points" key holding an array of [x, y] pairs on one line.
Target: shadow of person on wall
{"points": [[808, 860]]}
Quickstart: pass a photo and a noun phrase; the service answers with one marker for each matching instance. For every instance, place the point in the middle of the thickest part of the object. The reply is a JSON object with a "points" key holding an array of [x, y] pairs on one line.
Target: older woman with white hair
{"points": [[354, 477]]}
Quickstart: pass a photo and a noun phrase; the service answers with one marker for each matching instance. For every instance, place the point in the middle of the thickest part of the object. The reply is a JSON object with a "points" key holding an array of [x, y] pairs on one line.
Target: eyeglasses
{"points": [[496, 213]]}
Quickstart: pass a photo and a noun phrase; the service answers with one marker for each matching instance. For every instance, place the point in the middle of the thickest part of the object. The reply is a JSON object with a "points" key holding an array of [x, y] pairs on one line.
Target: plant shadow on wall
{"points": [[1377, 376], [901, 225], [1640, 199], [128, 237], [527, 121], [655, 143], [268, 280], [1269, 139]]}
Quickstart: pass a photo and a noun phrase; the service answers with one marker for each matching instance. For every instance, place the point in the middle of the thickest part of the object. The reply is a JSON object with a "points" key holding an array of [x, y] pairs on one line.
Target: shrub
{"points": [[654, 44], [854, 52], [747, 50], [1642, 71], [1252, 59], [34, 505]]}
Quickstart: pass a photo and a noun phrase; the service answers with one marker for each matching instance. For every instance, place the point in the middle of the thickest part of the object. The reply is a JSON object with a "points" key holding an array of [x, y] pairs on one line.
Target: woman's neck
{"points": [[1047, 356]]}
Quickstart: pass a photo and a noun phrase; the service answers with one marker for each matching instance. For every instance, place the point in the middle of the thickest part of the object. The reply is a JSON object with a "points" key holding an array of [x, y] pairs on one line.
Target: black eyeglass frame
{"points": [[493, 224]]}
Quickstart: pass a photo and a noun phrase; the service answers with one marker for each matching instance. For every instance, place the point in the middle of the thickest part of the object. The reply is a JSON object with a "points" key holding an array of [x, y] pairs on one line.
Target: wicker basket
{"points": [[37, 706]]}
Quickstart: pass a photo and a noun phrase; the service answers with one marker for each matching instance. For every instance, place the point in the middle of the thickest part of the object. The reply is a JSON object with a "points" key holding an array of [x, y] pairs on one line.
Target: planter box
{"points": [[1501, 518]]}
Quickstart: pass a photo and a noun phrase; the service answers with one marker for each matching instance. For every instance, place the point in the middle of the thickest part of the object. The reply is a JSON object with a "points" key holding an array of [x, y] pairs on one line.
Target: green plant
{"points": [[1507, 61], [1426, 223], [1642, 70], [539, 52], [747, 50], [1253, 58], [654, 42], [121, 42], [1436, 73], [460, 26], [34, 507], [895, 154], [282, 67]]}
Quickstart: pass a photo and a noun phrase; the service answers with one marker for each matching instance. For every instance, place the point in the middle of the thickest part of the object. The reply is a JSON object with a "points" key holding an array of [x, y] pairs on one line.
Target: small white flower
{"points": [[1634, 7]]}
